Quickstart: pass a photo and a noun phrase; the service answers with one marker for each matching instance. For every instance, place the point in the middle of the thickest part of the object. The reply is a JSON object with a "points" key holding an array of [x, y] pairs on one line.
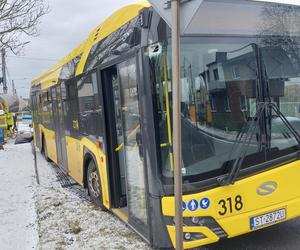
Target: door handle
{"points": [[119, 147], [139, 143]]}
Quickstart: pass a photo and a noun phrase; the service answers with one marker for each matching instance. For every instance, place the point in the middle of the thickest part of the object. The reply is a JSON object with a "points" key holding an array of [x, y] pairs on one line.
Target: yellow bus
{"points": [[103, 114]]}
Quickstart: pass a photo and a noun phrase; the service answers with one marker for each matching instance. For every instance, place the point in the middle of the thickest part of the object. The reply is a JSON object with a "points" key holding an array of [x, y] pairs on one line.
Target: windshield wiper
{"points": [[262, 119], [230, 178], [241, 145]]}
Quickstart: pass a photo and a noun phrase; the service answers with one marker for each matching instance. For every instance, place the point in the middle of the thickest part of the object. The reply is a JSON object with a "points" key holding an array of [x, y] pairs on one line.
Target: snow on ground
{"points": [[18, 227], [67, 221], [49, 216]]}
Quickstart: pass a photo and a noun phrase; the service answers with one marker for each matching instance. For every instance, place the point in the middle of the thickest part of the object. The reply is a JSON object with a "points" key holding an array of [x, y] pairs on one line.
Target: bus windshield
{"points": [[220, 93]]}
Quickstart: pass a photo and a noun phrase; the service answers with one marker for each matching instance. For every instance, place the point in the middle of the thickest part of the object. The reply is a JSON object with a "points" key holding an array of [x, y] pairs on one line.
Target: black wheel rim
{"points": [[94, 186]]}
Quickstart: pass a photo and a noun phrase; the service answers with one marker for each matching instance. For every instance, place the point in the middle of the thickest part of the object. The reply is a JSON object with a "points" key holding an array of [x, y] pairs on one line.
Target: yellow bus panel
{"points": [[49, 136], [283, 193], [75, 156], [75, 159]]}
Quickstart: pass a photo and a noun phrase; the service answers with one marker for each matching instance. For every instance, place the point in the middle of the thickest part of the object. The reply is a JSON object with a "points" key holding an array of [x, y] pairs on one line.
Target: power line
{"points": [[11, 82], [33, 58]]}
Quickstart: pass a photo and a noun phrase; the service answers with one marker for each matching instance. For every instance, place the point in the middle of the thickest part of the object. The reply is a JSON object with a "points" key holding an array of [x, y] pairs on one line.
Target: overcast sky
{"points": [[65, 27]]}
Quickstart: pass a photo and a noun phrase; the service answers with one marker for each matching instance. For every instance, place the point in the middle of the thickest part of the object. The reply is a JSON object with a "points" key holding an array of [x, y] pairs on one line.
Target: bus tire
{"points": [[94, 185], [45, 150]]}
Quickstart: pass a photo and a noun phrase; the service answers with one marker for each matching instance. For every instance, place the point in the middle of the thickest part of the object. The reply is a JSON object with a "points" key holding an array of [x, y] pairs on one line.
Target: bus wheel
{"points": [[45, 150], [94, 185]]}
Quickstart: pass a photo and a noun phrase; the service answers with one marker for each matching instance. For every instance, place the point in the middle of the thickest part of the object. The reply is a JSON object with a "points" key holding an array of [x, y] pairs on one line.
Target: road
{"points": [[284, 236]]}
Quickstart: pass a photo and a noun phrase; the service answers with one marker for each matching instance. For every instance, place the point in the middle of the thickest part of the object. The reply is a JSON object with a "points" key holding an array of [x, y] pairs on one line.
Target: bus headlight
{"points": [[193, 236], [195, 220], [205, 221], [187, 236]]}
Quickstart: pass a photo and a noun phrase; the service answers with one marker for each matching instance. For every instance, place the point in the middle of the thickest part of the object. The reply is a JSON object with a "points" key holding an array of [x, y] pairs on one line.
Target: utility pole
{"points": [[4, 71], [177, 122], [13, 87]]}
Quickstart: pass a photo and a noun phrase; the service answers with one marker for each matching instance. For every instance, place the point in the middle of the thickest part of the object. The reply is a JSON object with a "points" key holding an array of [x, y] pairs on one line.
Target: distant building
{"points": [[231, 84], [24, 104]]}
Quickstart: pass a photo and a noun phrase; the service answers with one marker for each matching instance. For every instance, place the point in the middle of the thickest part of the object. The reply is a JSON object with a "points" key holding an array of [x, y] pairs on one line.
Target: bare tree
{"points": [[18, 20]]}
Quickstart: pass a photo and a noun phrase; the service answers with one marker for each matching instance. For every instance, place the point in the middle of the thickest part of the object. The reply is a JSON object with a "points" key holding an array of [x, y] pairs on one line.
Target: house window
{"points": [[213, 104], [243, 103], [236, 74], [216, 74], [226, 104]]}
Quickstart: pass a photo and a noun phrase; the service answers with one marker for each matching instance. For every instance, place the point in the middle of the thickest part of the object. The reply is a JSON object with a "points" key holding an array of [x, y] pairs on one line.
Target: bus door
{"points": [[127, 144], [59, 126]]}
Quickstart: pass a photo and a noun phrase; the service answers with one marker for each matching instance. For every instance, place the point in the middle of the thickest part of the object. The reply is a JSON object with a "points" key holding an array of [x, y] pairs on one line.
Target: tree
{"points": [[18, 20], [280, 27]]}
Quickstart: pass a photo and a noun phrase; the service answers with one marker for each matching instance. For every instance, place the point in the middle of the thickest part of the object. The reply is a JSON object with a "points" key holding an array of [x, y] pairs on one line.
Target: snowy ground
{"points": [[49, 216], [18, 227], [67, 221]]}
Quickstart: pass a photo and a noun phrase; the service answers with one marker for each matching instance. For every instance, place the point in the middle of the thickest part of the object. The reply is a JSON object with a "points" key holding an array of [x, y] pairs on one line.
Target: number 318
{"points": [[230, 205]]}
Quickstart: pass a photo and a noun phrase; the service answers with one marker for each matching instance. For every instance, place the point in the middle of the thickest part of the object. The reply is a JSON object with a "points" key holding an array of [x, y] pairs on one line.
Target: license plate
{"points": [[267, 219]]}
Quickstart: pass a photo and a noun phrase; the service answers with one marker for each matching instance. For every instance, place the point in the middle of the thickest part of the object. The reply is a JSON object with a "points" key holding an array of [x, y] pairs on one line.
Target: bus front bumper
{"points": [[230, 227]]}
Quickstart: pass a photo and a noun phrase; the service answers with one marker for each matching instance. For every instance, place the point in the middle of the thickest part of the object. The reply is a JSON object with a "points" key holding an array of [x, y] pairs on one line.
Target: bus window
{"points": [[47, 109], [284, 88], [210, 125], [71, 108], [90, 111], [85, 94]]}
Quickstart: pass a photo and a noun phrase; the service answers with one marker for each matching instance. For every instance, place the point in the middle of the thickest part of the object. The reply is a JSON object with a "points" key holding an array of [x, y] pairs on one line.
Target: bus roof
{"points": [[107, 27], [208, 18]]}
